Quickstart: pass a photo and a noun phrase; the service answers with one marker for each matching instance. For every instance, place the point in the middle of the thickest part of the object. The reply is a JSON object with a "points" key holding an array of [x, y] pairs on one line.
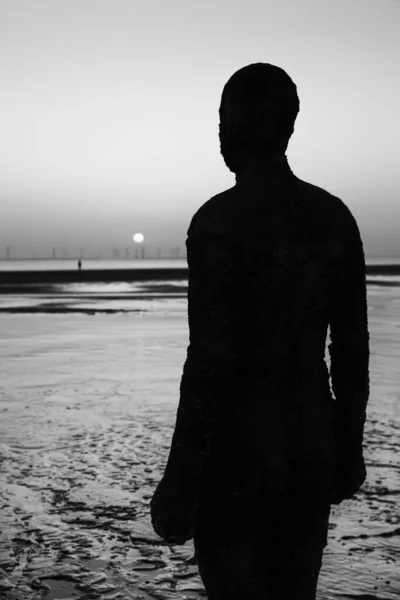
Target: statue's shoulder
{"points": [[216, 216], [331, 215], [323, 201]]}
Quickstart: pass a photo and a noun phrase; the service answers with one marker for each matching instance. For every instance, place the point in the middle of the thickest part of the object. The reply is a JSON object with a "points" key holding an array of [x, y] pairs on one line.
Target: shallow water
{"points": [[87, 410]]}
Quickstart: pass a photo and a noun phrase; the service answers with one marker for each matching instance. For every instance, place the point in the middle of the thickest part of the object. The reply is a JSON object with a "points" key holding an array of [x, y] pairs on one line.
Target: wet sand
{"points": [[87, 409]]}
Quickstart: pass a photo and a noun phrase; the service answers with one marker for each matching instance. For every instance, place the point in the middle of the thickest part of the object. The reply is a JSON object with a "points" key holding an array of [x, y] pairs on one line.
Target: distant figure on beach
{"points": [[79, 264], [262, 447]]}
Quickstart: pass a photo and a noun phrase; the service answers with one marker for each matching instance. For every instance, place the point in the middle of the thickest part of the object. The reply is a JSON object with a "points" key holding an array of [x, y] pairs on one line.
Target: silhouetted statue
{"points": [[261, 448], [79, 264]]}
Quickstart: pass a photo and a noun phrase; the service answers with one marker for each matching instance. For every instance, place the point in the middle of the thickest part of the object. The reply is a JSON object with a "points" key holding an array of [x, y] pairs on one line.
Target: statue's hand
{"points": [[350, 476], [172, 512]]}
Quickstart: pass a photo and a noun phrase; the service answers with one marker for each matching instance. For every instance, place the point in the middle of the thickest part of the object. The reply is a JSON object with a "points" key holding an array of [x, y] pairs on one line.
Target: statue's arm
{"points": [[349, 353], [209, 381], [212, 365]]}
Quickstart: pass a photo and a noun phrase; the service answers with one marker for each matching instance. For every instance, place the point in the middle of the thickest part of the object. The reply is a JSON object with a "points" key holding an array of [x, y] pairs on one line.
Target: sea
{"points": [[112, 263], [92, 263]]}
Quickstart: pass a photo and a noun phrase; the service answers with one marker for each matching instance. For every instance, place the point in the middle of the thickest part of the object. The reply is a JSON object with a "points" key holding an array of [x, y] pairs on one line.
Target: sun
{"points": [[138, 238]]}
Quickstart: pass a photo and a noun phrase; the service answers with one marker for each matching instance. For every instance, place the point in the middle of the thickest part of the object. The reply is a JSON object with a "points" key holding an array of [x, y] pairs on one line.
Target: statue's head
{"points": [[259, 106]]}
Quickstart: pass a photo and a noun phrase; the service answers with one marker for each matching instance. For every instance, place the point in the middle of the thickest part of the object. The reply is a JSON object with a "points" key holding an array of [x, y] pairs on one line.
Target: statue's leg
{"points": [[227, 570], [278, 556], [300, 532]]}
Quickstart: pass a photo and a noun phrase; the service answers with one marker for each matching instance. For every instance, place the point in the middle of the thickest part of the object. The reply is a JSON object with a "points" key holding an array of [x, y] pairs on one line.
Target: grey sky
{"points": [[109, 112]]}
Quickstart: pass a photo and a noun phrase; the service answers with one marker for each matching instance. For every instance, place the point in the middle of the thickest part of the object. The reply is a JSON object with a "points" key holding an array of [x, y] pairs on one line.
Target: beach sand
{"points": [[88, 407]]}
